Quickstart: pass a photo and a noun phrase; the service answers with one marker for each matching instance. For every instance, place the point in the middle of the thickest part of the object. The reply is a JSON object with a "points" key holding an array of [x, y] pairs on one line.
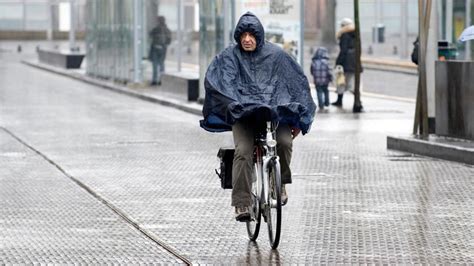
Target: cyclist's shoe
{"points": [[284, 195], [242, 214]]}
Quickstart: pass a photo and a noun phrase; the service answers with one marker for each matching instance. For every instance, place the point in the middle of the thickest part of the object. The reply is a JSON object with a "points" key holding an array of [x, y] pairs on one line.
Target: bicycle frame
{"points": [[266, 188], [266, 152]]}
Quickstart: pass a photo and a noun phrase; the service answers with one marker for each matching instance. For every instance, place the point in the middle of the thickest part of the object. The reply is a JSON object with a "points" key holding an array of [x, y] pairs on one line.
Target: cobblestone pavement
{"points": [[352, 201], [46, 218]]}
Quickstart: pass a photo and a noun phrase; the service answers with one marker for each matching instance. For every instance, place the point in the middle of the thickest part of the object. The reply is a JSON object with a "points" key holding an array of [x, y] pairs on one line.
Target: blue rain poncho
{"points": [[241, 84]]}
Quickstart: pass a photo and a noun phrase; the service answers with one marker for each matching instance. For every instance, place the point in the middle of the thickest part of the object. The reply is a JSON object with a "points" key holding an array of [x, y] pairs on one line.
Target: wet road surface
{"points": [[71, 153]]}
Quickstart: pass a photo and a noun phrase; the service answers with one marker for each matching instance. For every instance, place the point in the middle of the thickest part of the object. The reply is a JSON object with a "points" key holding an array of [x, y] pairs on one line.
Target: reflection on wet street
{"points": [[352, 201]]}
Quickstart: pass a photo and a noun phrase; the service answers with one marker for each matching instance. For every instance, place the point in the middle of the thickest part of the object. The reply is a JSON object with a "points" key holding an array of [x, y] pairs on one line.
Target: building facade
{"points": [[388, 28], [39, 19], [117, 40]]}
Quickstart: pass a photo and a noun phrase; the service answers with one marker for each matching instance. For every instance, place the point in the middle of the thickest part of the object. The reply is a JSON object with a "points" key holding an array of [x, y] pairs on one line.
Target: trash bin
{"points": [[378, 33], [446, 51]]}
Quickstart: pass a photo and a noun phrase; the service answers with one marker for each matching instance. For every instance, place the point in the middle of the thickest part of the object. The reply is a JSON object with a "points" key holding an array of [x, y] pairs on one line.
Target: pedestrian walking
{"points": [[322, 76], [242, 83], [160, 37], [346, 58]]}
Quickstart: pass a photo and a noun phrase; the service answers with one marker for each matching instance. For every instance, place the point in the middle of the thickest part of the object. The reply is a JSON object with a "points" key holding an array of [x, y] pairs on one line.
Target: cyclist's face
{"points": [[248, 42]]}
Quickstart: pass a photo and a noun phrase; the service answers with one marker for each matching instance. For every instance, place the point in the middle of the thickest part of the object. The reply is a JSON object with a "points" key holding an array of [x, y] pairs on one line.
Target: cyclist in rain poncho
{"points": [[250, 82]]}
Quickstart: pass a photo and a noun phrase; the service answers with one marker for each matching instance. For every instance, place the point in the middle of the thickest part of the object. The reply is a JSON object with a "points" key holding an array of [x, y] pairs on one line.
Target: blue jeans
{"points": [[323, 96], [157, 58]]}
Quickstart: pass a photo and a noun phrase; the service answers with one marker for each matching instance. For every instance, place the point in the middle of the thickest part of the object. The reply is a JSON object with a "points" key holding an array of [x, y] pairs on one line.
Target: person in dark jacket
{"points": [[244, 81], [160, 39], [416, 48], [322, 75], [347, 57]]}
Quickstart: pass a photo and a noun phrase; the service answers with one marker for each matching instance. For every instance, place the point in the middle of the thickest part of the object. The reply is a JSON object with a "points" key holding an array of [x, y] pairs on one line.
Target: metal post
{"points": [[232, 15], [301, 42], [417, 120], [179, 35], [357, 107], [449, 20], [431, 57], [49, 31], [404, 29], [424, 87], [137, 41], [24, 15], [225, 6], [72, 29], [468, 23]]}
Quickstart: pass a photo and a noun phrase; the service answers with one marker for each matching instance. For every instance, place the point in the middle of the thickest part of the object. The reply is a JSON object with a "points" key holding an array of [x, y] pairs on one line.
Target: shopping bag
{"points": [[340, 79]]}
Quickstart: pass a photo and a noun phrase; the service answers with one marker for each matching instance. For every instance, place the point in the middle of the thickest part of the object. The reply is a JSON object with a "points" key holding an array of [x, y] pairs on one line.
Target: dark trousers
{"points": [[323, 96], [243, 160]]}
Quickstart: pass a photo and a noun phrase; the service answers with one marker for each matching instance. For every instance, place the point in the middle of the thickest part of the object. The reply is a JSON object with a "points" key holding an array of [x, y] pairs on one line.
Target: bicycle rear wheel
{"points": [[274, 205], [253, 226]]}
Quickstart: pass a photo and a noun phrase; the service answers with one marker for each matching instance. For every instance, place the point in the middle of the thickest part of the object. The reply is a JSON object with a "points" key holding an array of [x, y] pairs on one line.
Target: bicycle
{"points": [[266, 187]]}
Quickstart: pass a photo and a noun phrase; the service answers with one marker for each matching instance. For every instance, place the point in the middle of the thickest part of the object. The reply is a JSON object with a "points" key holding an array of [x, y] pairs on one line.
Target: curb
{"points": [[431, 149], [392, 63], [192, 108]]}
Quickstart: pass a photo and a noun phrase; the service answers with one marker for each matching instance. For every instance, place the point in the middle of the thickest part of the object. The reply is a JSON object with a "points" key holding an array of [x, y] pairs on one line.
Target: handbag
{"points": [[226, 159], [340, 79]]}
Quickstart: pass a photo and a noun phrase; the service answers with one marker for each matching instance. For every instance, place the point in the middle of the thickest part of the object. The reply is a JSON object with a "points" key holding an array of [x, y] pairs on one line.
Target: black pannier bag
{"points": [[226, 156]]}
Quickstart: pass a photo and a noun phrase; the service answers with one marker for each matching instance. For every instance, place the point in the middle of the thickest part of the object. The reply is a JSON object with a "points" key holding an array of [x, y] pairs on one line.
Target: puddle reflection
{"points": [[256, 256]]}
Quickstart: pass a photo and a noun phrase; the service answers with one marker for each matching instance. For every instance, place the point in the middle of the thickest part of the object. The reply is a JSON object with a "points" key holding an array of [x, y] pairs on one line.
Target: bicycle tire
{"points": [[253, 226], [274, 204]]}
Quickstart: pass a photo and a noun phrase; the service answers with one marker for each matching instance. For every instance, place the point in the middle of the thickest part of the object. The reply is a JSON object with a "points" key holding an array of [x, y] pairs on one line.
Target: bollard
{"points": [[18, 49]]}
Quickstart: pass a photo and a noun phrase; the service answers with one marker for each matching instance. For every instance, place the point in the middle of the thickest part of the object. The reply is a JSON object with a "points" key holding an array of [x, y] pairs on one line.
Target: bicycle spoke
{"points": [[253, 226]]}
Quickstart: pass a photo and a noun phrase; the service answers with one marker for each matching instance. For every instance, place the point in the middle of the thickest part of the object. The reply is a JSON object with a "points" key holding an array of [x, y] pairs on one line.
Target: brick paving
{"points": [[352, 201], [46, 218]]}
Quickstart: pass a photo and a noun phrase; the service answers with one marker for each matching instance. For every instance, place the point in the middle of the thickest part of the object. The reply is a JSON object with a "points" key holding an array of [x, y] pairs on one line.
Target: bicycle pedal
{"points": [[264, 215], [243, 218]]}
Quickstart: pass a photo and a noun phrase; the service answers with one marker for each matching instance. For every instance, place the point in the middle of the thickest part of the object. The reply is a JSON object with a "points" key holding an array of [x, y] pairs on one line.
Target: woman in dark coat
{"points": [[347, 57]]}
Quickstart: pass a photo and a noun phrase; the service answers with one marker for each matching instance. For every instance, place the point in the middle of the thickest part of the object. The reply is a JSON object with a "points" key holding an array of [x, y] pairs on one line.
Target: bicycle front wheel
{"points": [[253, 226], [274, 204]]}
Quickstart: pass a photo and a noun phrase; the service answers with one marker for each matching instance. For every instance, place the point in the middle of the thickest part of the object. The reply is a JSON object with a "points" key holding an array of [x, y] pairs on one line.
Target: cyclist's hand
{"points": [[295, 131]]}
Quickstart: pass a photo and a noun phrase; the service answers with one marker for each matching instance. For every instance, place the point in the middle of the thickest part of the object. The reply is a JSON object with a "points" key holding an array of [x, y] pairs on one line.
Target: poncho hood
{"points": [[250, 23], [242, 84]]}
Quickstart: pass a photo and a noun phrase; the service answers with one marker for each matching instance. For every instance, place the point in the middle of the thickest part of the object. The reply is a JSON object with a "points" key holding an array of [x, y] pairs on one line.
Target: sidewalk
{"points": [[151, 94]]}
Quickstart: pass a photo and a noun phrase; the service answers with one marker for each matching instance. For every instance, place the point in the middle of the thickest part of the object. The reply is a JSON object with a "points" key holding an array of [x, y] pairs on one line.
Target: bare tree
{"points": [[420, 126]]}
